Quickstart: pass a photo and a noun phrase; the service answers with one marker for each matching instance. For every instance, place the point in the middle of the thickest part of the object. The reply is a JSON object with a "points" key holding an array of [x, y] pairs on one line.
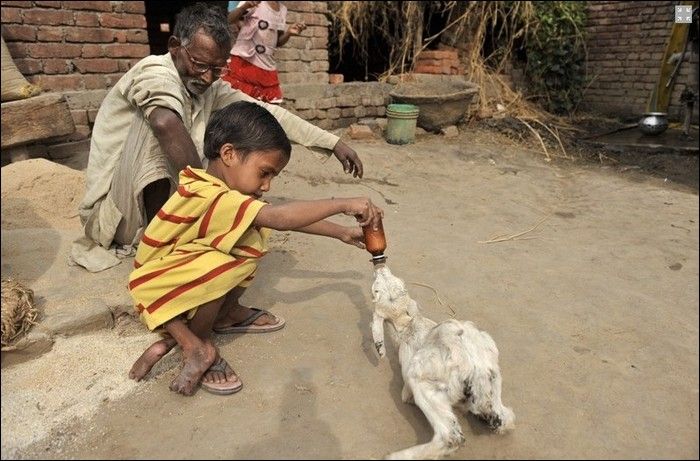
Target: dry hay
{"points": [[18, 311], [468, 23]]}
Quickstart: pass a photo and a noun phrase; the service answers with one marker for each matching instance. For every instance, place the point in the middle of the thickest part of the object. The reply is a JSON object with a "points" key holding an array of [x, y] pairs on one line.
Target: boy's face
{"points": [[252, 174]]}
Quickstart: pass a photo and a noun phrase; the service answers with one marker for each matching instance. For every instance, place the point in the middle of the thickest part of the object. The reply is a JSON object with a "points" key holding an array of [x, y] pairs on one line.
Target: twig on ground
{"points": [[505, 238], [538, 137], [437, 296]]}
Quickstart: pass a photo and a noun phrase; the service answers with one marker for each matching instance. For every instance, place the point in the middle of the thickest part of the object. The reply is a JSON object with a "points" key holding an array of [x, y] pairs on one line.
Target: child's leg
{"points": [[198, 352], [232, 312], [200, 325], [150, 357]]}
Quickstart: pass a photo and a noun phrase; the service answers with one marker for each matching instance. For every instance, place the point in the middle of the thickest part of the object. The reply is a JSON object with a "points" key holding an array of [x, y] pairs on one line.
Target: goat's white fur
{"points": [[443, 365]]}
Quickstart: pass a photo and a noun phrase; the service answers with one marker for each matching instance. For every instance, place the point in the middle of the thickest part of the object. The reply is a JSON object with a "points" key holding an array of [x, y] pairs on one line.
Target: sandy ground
{"points": [[595, 313]]}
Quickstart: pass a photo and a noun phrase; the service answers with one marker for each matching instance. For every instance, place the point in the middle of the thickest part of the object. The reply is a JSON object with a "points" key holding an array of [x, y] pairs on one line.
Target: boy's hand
{"points": [[348, 157], [353, 235], [297, 28], [366, 212]]}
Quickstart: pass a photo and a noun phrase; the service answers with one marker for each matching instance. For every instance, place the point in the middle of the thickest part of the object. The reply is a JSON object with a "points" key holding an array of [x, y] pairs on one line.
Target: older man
{"points": [[151, 125]]}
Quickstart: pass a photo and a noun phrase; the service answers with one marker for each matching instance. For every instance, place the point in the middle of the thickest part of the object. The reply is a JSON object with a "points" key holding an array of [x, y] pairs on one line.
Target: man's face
{"points": [[200, 62]]}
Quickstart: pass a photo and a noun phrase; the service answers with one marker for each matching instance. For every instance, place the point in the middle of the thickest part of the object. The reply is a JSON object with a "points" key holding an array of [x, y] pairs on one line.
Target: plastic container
{"points": [[401, 123]]}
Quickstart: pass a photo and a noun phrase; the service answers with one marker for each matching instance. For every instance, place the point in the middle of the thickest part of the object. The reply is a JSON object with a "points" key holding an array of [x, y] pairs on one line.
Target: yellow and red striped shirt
{"points": [[200, 246]]}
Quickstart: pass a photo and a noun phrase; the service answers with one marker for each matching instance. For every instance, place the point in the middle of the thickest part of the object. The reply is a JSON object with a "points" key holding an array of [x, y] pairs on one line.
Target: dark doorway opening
{"points": [[356, 67]]}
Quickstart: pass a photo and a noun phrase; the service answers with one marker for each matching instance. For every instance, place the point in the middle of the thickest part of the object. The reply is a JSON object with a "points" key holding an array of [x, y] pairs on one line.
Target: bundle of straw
{"points": [[18, 311]]}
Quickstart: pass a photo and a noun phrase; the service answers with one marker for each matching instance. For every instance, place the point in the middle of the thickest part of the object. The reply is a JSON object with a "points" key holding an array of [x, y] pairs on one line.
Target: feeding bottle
{"points": [[375, 242]]}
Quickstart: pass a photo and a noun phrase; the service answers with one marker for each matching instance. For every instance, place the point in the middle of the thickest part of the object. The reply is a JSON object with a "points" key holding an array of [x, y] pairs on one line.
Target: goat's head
{"points": [[389, 294]]}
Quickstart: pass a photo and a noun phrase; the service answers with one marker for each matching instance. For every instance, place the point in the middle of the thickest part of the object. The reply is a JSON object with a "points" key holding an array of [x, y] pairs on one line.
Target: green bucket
{"points": [[401, 123]]}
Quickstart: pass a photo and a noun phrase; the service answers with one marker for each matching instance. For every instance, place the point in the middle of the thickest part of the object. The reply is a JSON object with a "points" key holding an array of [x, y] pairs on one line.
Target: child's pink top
{"points": [[257, 39]]}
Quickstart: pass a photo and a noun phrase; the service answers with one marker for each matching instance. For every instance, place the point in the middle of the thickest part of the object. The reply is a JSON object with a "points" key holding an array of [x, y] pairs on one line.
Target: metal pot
{"points": [[653, 123]]}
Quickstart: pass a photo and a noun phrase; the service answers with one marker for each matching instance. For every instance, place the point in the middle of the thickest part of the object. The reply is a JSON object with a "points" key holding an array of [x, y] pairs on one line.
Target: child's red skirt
{"points": [[258, 83]]}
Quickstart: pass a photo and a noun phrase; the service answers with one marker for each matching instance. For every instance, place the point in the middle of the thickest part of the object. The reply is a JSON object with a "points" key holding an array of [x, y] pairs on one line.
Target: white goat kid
{"points": [[443, 365]]}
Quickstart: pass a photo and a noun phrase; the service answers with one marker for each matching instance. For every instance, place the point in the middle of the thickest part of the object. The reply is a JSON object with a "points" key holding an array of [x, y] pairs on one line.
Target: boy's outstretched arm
{"points": [[352, 235], [299, 214]]}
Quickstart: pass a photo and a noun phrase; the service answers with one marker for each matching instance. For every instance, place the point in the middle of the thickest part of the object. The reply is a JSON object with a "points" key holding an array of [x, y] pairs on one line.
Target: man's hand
{"points": [[348, 157]]}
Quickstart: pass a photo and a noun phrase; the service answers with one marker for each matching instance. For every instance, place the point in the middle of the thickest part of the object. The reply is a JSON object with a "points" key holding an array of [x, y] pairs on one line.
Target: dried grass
{"points": [[18, 311], [401, 25]]}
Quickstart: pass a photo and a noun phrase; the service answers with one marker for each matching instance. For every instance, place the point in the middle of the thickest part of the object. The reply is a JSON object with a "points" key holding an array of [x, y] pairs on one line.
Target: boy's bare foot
{"points": [[240, 315], [150, 357], [196, 362]]}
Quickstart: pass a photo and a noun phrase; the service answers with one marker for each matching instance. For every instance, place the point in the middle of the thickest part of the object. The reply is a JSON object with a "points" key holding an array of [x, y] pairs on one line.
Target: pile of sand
{"points": [[39, 193]]}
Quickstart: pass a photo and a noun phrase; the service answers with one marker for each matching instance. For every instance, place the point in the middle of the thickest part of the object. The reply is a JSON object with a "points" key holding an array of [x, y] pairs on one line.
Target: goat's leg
{"points": [[437, 408], [378, 334], [486, 401]]}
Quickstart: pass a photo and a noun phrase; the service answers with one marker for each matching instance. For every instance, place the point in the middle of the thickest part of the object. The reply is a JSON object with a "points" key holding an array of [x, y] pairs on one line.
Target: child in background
{"points": [[252, 67], [201, 250]]}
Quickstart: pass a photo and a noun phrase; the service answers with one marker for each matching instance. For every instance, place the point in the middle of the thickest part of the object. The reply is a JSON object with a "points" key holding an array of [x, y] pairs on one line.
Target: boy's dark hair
{"points": [[205, 16], [249, 127]]}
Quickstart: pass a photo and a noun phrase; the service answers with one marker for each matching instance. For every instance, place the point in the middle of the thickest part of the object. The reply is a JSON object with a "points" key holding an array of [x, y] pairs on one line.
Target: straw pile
{"points": [[18, 311]]}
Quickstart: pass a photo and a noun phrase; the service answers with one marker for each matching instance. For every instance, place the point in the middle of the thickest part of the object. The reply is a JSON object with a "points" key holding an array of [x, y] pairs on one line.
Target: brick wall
{"points": [[304, 59], [336, 106], [76, 48], [626, 41]]}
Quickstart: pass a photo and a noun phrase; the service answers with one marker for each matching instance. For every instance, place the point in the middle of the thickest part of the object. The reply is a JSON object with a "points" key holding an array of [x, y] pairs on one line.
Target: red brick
{"points": [[89, 35], [21, 33], [10, 15], [86, 19], [56, 66], [300, 6], [123, 21], [92, 51], [134, 7], [57, 82], [94, 81], [137, 36], [50, 34], [92, 5], [28, 66], [53, 50], [19, 4], [96, 66], [18, 49], [120, 35], [127, 50], [48, 17], [47, 4]]}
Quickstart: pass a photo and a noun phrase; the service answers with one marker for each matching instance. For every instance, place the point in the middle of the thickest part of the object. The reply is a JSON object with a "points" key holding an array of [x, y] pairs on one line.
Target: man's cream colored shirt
{"points": [[154, 82]]}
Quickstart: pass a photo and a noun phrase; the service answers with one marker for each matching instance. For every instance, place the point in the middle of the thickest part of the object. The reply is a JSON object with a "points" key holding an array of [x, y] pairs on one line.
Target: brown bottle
{"points": [[375, 242]]}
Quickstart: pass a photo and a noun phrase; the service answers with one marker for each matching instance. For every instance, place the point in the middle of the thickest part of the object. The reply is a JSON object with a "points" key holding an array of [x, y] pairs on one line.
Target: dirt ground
{"points": [[591, 295]]}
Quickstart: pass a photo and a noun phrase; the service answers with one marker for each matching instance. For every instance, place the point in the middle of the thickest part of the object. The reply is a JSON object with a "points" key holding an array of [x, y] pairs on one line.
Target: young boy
{"points": [[202, 248]]}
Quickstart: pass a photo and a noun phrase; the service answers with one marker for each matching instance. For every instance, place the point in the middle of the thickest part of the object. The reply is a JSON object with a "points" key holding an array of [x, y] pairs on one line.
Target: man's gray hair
{"points": [[209, 18]]}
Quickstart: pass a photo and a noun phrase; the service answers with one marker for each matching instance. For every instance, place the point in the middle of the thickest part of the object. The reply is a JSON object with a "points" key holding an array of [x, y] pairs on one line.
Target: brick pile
{"points": [[443, 62]]}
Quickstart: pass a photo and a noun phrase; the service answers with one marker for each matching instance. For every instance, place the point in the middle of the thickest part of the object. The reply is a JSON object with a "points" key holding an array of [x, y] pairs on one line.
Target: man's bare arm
{"points": [[174, 139]]}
